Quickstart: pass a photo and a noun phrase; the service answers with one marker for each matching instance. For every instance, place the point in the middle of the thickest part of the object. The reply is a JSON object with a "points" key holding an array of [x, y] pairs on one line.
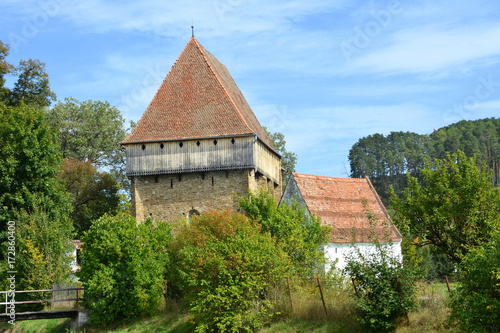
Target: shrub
{"points": [[225, 267], [385, 289], [476, 301], [123, 268], [299, 235]]}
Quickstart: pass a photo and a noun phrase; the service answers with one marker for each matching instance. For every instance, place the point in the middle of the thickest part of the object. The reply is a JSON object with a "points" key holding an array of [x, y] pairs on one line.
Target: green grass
{"points": [[37, 326], [308, 316]]}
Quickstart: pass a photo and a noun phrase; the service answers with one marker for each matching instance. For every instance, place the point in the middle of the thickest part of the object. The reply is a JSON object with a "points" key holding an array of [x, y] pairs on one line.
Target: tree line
{"points": [[386, 159]]}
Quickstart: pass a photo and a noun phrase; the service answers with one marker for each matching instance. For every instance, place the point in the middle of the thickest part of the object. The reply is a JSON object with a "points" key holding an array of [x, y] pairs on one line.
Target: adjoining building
{"points": [[198, 145], [351, 207]]}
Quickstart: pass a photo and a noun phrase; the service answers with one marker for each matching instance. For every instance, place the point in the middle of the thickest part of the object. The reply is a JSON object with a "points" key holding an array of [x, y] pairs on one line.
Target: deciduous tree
{"points": [[451, 207]]}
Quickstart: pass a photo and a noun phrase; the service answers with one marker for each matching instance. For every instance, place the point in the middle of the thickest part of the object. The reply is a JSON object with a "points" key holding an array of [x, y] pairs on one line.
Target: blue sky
{"points": [[324, 73]]}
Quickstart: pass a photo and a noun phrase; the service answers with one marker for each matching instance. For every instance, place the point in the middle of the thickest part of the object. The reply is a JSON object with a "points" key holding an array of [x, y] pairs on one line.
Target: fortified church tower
{"points": [[198, 145]]}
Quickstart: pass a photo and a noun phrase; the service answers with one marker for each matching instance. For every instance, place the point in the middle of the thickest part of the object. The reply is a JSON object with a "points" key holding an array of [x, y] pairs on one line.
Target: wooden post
{"points": [[355, 288], [322, 297], [289, 293], [447, 283]]}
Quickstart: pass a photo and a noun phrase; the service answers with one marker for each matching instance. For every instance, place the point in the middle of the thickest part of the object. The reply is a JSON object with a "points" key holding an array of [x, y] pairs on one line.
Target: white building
{"points": [[351, 207]]}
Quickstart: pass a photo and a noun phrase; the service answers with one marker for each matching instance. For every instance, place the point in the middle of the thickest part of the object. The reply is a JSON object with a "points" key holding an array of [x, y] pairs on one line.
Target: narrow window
{"points": [[162, 145], [181, 144], [198, 143], [212, 181], [215, 142], [171, 183], [233, 141], [143, 147]]}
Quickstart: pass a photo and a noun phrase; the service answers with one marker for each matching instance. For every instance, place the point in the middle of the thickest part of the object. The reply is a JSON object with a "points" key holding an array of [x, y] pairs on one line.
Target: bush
{"points": [[385, 289], [123, 268], [225, 266], [299, 235], [476, 301]]}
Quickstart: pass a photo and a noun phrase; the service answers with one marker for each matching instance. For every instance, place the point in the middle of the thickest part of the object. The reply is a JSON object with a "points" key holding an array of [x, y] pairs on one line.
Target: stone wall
{"points": [[175, 196]]}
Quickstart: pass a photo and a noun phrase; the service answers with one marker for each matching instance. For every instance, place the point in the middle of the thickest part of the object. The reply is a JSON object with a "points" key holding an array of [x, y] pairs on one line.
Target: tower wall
{"points": [[170, 197]]}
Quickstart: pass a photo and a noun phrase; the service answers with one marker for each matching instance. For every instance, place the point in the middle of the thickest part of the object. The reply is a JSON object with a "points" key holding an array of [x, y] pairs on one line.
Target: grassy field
{"points": [[308, 317]]}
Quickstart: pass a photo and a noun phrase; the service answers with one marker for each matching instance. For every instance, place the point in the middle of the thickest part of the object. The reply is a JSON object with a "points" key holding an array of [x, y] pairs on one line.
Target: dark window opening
{"points": [[193, 212], [215, 142], [162, 145], [156, 178], [202, 175], [198, 143], [212, 181], [171, 183], [143, 147], [233, 141], [181, 144]]}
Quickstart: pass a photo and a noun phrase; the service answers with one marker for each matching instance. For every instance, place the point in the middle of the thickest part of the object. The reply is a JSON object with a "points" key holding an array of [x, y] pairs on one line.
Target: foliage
{"points": [[93, 193], [386, 159], [90, 131], [42, 242], [123, 268], [225, 266], [385, 288], [476, 301], [299, 235], [479, 138], [5, 69], [30, 159], [451, 208], [32, 85], [288, 158]]}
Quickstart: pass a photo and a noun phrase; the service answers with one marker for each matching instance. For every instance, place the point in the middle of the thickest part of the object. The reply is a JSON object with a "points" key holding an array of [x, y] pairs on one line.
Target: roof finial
{"points": [[192, 28]]}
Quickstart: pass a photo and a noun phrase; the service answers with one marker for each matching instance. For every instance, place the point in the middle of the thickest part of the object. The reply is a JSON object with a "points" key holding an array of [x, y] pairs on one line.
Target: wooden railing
{"points": [[77, 298]]}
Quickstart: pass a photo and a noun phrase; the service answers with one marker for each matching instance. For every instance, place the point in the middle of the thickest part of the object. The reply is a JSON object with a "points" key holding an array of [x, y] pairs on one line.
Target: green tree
{"points": [[31, 197], [475, 303], [299, 235], [451, 208], [288, 158], [123, 268], [5, 69], [30, 158], [32, 85], [90, 131], [93, 193], [387, 159], [226, 266], [385, 288]]}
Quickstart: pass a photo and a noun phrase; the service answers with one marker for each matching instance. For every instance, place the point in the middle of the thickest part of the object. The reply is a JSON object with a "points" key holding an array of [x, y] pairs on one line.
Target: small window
{"points": [[233, 141], [181, 144], [162, 145], [215, 142], [198, 143], [143, 147]]}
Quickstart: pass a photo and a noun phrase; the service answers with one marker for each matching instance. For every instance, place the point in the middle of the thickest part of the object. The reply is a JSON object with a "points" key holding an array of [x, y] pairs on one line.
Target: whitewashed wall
{"points": [[339, 251]]}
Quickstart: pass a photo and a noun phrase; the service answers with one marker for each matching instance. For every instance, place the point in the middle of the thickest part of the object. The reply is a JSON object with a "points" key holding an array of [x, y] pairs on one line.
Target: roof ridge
{"points": [[329, 177], [221, 82]]}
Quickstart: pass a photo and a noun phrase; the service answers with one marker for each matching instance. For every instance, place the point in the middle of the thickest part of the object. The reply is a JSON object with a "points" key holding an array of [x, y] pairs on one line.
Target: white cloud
{"points": [[432, 48]]}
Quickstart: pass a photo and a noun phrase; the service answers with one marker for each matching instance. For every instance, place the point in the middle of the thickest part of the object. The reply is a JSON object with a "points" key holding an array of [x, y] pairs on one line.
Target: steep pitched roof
{"points": [[343, 204], [197, 99]]}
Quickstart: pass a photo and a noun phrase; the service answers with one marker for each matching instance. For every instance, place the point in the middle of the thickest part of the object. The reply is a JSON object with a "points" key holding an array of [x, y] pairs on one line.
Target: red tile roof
{"points": [[197, 99], [343, 204]]}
